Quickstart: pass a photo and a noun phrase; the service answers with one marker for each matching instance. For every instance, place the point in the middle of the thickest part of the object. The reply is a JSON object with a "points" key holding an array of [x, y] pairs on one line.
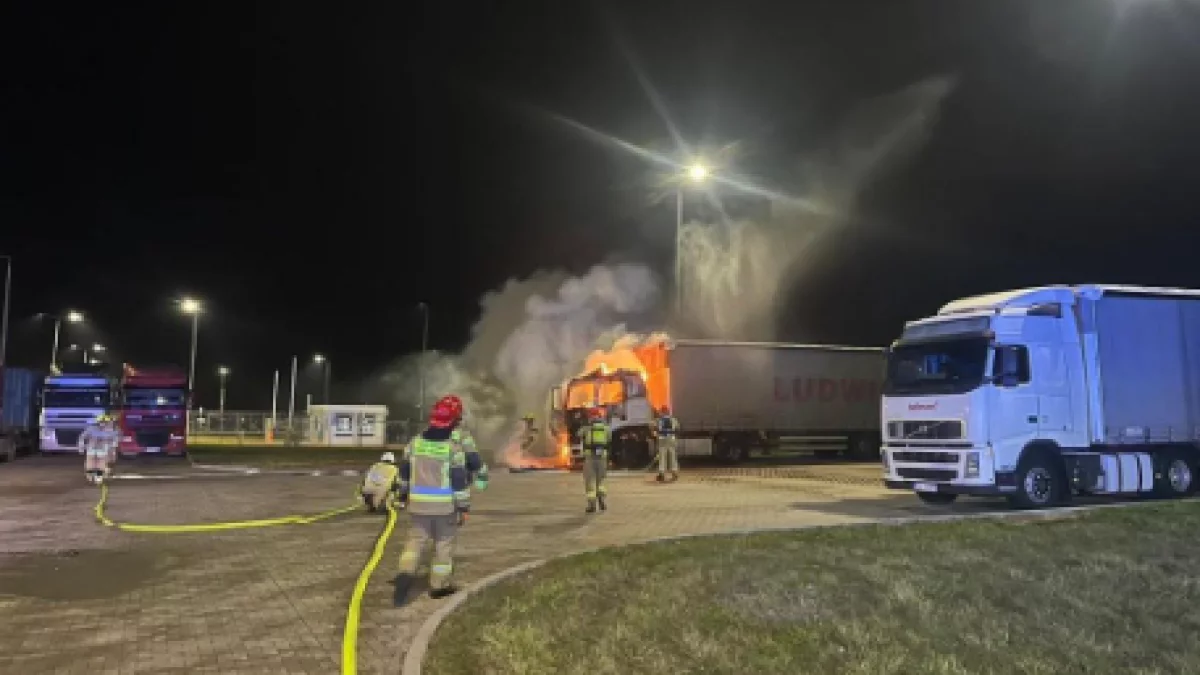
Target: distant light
{"points": [[697, 172], [98, 347], [223, 371], [74, 317], [190, 306], [318, 358]]}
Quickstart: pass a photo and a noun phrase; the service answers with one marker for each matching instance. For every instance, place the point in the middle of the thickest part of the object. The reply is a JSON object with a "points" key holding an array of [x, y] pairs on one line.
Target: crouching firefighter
{"points": [[436, 471], [381, 482], [98, 443], [595, 437]]}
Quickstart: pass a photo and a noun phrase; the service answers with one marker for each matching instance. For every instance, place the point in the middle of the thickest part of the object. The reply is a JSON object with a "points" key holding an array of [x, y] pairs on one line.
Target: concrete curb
{"points": [[252, 471], [415, 655]]}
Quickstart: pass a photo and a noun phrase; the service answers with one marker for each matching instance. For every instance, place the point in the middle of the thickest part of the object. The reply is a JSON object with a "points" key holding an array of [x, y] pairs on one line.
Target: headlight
{"points": [[972, 470]]}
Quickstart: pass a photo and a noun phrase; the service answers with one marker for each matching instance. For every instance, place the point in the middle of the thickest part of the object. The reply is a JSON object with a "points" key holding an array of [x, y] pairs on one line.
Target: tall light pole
{"points": [[424, 348], [292, 400], [223, 374], [4, 315], [193, 307], [71, 316], [320, 360], [696, 173]]}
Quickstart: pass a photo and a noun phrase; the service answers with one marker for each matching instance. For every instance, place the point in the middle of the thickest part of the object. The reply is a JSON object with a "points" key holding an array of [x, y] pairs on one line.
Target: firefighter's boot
{"points": [[660, 478], [443, 592], [591, 507], [404, 583], [603, 506]]}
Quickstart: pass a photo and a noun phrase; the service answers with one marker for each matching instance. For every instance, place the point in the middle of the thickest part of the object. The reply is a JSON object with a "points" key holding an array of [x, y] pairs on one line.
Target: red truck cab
{"points": [[153, 414]]}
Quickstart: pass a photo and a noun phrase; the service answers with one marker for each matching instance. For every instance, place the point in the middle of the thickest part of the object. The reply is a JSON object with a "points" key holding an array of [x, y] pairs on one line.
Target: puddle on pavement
{"points": [[79, 575]]}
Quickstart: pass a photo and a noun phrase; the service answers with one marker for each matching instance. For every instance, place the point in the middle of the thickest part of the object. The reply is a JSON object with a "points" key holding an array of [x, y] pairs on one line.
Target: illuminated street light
{"points": [[320, 360], [74, 317], [97, 347], [192, 306], [70, 316], [697, 172], [223, 373]]}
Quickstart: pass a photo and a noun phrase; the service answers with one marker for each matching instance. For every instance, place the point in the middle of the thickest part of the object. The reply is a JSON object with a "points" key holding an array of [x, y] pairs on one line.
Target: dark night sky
{"points": [[313, 172]]}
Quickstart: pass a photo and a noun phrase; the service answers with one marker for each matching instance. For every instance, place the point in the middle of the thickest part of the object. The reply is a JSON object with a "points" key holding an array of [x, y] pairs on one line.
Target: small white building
{"points": [[347, 424]]}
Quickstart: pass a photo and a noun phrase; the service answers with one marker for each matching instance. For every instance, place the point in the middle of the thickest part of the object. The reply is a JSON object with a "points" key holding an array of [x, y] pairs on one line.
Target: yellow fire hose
{"points": [[353, 612], [350, 633]]}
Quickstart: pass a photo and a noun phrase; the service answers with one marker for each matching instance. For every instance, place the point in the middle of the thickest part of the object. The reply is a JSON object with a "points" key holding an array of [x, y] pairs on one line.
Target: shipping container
{"points": [[18, 410]]}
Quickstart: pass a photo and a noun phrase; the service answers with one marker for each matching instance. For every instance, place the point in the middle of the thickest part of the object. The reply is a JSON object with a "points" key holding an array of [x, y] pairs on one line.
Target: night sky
{"points": [[312, 171]]}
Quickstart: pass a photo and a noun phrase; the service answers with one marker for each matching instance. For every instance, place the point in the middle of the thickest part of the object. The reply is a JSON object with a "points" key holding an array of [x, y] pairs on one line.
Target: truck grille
{"points": [[927, 474], [933, 430], [153, 439], [929, 457], [67, 436]]}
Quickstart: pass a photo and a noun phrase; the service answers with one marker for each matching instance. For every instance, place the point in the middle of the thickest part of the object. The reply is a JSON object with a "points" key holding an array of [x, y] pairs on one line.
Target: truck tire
{"points": [[862, 447], [937, 498], [1174, 475], [8, 449], [1041, 482]]}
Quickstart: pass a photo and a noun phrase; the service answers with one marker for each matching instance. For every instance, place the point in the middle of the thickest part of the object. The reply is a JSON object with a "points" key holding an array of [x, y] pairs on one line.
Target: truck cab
{"points": [[624, 398], [69, 404], [153, 412]]}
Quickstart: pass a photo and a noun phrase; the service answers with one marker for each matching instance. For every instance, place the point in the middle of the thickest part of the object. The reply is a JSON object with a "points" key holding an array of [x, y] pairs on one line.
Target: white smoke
{"points": [[735, 274], [532, 334]]}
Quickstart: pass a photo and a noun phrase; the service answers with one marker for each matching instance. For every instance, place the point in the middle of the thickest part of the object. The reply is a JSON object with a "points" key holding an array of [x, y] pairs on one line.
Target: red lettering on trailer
{"points": [[922, 406], [826, 390]]}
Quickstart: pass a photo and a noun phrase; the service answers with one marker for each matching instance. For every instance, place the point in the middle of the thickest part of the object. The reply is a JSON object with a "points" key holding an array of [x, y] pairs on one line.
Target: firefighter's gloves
{"points": [[462, 517]]}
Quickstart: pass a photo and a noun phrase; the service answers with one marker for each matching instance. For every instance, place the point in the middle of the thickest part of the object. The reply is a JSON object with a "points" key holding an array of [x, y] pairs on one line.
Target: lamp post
{"points": [[71, 316], [696, 173], [326, 366], [223, 374], [424, 348], [4, 316]]}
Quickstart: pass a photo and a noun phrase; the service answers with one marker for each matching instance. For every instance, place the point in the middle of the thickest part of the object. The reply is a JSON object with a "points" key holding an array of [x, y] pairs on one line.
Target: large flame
{"points": [[645, 355]]}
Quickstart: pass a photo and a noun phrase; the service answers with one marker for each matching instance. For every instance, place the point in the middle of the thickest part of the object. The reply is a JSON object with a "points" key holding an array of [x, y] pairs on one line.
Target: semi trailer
{"points": [[18, 411], [1042, 394], [732, 399]]}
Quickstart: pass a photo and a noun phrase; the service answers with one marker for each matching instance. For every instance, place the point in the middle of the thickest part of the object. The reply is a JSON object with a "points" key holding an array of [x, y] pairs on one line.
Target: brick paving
{"points": [[76, 597]]}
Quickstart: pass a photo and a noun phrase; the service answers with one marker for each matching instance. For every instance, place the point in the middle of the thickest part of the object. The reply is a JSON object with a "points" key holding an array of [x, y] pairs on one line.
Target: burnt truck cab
{"points": [[623, 396]]}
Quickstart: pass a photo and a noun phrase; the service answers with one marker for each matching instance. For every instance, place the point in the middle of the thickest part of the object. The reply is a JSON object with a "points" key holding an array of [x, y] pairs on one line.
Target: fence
{"points": [[256, 428]]}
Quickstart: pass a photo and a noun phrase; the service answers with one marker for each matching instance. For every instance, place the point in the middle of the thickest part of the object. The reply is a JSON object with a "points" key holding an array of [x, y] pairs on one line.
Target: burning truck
{"points": [[732, 399]]}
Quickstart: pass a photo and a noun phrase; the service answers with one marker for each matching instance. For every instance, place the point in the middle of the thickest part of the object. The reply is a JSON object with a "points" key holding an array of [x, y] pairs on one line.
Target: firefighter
{"points": [[667, 430], [381, 482], [98, 444], [436, 472], [595, 437], [529, 434]]}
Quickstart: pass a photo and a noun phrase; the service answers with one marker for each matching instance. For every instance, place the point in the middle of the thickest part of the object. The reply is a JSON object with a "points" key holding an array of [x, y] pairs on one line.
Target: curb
{"points": [[415, 655], [251, 471]]}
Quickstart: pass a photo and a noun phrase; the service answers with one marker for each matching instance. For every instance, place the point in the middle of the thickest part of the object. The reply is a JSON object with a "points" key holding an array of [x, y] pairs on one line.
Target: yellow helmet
{"points": [[101, 419]]}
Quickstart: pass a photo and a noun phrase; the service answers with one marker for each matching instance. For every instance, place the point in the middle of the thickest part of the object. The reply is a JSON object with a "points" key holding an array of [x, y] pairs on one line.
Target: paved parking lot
{"points": [[76, 597]]}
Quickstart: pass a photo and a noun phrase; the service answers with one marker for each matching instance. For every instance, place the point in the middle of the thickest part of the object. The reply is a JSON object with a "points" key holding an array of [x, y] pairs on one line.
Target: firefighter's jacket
{"points": [[97, 442], [437, 469], [382, 477]]}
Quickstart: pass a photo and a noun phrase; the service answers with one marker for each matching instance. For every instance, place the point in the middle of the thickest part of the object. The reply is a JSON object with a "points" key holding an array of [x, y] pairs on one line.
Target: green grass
{"points": [[1114, 591], [280, 457]]}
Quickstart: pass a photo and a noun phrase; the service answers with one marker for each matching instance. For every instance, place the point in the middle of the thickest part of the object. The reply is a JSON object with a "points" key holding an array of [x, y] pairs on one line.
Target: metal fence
{"points": [[241, 427]]}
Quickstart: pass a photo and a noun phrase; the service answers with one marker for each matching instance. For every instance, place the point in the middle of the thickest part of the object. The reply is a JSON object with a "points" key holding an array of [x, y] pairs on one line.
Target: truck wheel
{"points": [[1040, 482], [862, 447], [937, 498], [1175, 476]]}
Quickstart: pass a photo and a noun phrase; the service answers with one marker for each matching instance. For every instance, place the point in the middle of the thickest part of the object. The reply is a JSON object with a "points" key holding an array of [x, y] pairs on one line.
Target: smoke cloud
{"points": [[734, 274]]}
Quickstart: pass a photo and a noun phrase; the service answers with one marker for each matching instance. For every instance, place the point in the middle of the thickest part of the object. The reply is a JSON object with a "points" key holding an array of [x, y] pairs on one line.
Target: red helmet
{"points": [[446, 412], [596, 414]]}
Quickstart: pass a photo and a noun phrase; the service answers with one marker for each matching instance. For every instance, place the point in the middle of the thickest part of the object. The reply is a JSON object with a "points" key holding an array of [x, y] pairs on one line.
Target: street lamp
{"points": [[424, 348], [696, 173], [193, 307], [71, 316], [320, 360], [223, 373], [4, 315]]}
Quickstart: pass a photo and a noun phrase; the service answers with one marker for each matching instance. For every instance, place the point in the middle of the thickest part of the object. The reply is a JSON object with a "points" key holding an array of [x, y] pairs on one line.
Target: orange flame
{"points": [[647, 358]]}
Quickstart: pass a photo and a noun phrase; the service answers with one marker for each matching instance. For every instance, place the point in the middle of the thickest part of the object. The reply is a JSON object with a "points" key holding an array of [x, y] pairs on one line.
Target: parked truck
{"points": [[731, 399], [1045, 393], [153, 413], [18, 405], [71, 401]]}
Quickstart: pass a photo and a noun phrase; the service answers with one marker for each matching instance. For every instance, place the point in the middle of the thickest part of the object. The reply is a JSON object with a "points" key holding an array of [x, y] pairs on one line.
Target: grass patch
{"points": [[282, 456], [1113, 591]]}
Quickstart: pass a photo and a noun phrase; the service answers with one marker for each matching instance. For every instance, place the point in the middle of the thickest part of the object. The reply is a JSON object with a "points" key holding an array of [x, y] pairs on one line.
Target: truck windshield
{"points": [[154, 398], [75, 398], [951, 366], [598, 391]]}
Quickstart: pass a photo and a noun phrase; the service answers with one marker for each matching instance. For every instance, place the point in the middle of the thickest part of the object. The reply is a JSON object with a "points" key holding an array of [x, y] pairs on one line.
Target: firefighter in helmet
{"points": [[436, 472], [667, 431], [98, 444], [381, 482], [529, 433], [596, 438]]}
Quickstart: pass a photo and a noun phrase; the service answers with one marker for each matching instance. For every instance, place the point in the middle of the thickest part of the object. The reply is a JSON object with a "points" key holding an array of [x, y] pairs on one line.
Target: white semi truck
{"points": [[731, 399], [1044, 393]]}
